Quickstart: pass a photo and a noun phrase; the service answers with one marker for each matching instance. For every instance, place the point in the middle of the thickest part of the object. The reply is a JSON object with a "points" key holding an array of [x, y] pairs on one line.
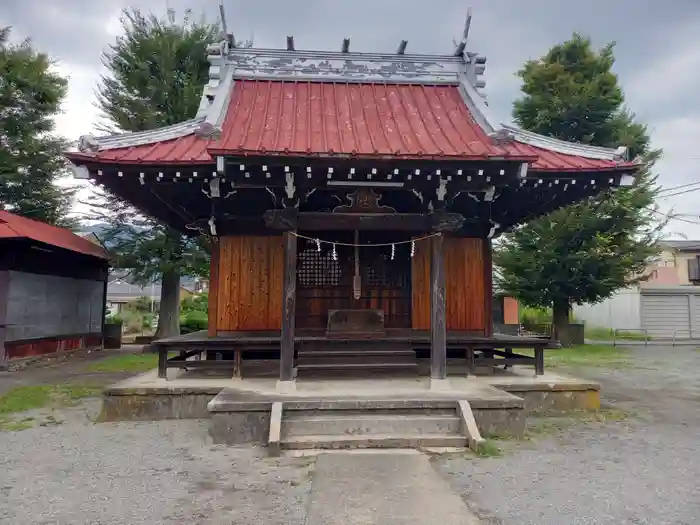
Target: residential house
{"points": [[665, 306], [121, 290], [678, 264]]}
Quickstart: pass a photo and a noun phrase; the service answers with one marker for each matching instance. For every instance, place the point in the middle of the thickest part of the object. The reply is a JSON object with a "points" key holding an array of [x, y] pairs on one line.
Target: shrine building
{"points": [[351, 200]]}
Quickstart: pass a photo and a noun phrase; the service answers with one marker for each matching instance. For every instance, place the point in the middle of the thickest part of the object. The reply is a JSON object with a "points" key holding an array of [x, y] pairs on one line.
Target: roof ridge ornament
{"points": [[88, 144], [621, 154], [501, 137], [462, 45], [208, 131]]}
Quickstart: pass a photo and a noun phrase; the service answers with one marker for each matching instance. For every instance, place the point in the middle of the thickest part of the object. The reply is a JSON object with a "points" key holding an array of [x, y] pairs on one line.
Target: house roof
{"points": [[16, 227], [303, 103], [681, 245]]}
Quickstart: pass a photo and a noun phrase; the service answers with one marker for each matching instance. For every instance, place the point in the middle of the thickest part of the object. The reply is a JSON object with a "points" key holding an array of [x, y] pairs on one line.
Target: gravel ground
{"points": [[641, 472], [162, 473], [71, 471]]}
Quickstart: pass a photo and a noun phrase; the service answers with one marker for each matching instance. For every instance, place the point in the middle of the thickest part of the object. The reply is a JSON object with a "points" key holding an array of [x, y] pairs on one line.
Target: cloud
{"points": [[680, 165]]}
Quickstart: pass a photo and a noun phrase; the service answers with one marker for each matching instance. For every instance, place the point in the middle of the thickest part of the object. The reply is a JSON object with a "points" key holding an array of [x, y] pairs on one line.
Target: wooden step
{"points": [[358, 359], [408, 365], [355, 344], [341, 352]]}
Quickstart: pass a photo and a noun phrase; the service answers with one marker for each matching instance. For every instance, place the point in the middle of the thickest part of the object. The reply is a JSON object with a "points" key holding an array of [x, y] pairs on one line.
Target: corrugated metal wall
{"points": [[622, 311], [40, 306]]}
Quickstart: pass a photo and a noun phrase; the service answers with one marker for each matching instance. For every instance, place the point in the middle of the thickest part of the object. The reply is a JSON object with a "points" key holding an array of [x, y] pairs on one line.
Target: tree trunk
{"points": [[560, 322], [169, 315]]}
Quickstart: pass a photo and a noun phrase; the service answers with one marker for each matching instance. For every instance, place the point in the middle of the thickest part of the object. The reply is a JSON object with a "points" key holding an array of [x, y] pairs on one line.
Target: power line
{"points": [[691, 190], [675, 218], [673, 188]]}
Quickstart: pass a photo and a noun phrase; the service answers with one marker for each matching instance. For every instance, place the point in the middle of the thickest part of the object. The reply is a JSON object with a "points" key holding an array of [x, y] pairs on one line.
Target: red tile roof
{"points": [[548, 160], [364, 120], [15, 227], [341, 119], [190, 149]]}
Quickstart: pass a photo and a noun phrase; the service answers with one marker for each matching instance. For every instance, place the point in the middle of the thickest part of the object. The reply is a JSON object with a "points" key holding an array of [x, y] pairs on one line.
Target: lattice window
{"points": [[380, 271], [317, 269]]}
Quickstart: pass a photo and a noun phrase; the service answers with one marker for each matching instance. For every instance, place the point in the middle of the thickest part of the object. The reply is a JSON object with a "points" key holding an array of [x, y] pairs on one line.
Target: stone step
{"points": [[301, 424], [336, 442]]}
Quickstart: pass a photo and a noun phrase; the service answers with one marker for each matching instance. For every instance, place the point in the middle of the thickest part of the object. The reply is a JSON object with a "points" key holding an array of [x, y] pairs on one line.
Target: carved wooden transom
{"points": [[364, 200]]}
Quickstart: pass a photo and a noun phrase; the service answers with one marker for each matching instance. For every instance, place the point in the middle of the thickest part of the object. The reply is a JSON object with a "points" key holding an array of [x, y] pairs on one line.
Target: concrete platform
{"points": [[146, 397]]}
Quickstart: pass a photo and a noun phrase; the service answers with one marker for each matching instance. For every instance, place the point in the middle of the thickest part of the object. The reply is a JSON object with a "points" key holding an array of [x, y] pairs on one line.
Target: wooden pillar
{"points": [[214, 288], [438, 330], [289, 293], [162, 361], [488, 288]]}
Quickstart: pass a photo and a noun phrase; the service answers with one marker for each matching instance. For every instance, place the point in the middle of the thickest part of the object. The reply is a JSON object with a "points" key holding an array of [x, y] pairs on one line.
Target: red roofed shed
{"points": [[343, 190], [52, 289]]}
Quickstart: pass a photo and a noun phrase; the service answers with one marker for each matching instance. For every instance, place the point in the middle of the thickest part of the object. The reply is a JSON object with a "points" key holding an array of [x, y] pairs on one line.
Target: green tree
{"points": [[157, 71], [585, 252], [31, 157]]}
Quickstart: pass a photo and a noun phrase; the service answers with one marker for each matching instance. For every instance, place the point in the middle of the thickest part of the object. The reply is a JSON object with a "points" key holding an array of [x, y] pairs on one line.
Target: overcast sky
{"points": [[658, 51]]}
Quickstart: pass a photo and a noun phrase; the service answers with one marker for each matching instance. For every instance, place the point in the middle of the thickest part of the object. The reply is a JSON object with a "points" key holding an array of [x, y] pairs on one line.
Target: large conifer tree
{"points": [[585, 252], [157, 71], [31, 156]]}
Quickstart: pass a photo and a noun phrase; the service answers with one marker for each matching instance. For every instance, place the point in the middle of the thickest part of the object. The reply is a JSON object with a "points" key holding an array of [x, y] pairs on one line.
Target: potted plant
{"points": [[113, 332]]}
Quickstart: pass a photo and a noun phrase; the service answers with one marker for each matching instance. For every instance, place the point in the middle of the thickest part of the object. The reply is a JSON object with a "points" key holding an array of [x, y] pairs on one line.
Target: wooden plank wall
{"points": [[466, 297], [250, 277], [420, 286], [213, 288]]}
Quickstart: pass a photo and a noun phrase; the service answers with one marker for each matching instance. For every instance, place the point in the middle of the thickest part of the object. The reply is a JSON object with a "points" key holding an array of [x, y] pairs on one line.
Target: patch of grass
{"points": [[69, 394], [15, 426], [489, 449], [585, 355], [125, 363], [554, 423], [607, 334], [33, 397], [23, 398]]}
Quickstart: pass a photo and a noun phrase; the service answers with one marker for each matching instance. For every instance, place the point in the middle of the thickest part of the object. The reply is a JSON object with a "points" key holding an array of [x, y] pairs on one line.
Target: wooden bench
{"points": [[184, 359], [493, 352]]}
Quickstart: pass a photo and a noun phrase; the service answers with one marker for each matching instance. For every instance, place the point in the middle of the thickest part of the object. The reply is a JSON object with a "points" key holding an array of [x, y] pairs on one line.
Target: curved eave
{"points": [[369, 156], [81, 159], [616, 168], [566, 148], [141, 138]]}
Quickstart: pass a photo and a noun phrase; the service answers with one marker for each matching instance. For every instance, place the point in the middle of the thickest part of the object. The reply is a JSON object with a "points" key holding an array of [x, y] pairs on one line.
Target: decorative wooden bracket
{"points": [[283, 220], [445, 222], [364, 200]]}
